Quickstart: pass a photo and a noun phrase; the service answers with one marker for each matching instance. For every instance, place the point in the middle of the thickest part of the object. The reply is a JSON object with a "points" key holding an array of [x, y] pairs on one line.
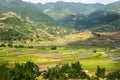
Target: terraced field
{"points": [[50, 58], [90, 54]]}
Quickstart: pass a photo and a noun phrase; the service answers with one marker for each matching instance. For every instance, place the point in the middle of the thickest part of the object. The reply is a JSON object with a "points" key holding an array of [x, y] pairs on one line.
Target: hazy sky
{"points": [[82, 1]]}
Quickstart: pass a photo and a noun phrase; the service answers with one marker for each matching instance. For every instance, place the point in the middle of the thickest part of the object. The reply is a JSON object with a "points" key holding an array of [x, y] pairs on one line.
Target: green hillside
{"points": [[12, 27], [93, 21], [60, 9], [114, 7], [26, 22], [83, 16], [25, 10], [104, 21], [78, 22]]}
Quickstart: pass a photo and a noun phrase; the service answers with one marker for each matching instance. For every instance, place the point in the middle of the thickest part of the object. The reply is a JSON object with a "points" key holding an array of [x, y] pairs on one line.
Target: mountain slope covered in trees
{"points": [[94, 20], [25, 10], [26, 22], [114, 7], [61, 9], [83, 16]]}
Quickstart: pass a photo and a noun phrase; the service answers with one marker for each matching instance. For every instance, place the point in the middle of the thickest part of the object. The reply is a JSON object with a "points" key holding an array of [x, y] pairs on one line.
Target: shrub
{"points": [[65, 72], [94, 51], [26, 71], [53, 48], [19, 46], [114, 76], [100, 72]]}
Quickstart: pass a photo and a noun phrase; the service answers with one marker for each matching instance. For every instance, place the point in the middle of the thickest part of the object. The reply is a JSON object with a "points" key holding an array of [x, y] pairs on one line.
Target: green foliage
{"points": [[29, 71], [11, 35], [94, 51], [73, 71], [26, 71], [10, 44], [114, 75], [100, 72], [3, 45], [4, 71], [19, 46], [53, 48]]}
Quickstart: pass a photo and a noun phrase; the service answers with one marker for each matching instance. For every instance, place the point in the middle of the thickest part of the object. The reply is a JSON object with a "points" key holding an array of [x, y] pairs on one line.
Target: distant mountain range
{"points": [[83, 16], [93, 20], [61, 9], [115, 7], [29, 21]]}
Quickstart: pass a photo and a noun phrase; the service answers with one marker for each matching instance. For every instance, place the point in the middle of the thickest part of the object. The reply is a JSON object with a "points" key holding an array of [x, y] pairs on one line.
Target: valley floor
{"points": [[49, 54], [50, 58]]}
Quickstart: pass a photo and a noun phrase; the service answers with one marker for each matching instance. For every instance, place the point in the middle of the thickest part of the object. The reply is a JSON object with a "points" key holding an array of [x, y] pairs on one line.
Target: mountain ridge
{"points": [[69, 18], [35, 25], [62, 9]]}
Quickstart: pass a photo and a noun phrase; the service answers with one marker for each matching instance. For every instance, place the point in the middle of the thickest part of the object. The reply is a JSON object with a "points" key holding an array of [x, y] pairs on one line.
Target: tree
{"points": [[26, 71], [53, 48], [10, 44], [65, 72], [114, 75], [4, 71], [100, 72]]}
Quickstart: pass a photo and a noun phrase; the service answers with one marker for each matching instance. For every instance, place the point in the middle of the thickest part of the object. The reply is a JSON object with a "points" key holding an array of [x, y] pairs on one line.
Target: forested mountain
{"points": [[83, 16], [25, 10], [104, 21], [61, 9], [103, 17], [13, 27], [26, 22], [93, 20], [36, 21], [114, 7], [106, 18], [78, 22]]}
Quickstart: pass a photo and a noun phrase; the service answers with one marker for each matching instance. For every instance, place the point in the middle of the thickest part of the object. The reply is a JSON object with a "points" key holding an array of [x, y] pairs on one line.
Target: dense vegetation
{"points": [[75, 71], [63, 9], [24, 10], [26, 22], [30, 71], [25, 71], [95, 20], [78, 22], [84, 16]]}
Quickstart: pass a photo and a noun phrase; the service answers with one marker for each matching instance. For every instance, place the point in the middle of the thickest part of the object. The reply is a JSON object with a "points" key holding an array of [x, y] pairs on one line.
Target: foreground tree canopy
{"points": [[30, 71], [26, 71]]}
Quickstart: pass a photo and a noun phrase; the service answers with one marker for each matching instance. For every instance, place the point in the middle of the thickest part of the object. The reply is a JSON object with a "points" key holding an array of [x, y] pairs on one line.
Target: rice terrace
{"points": [[59, 40]]}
